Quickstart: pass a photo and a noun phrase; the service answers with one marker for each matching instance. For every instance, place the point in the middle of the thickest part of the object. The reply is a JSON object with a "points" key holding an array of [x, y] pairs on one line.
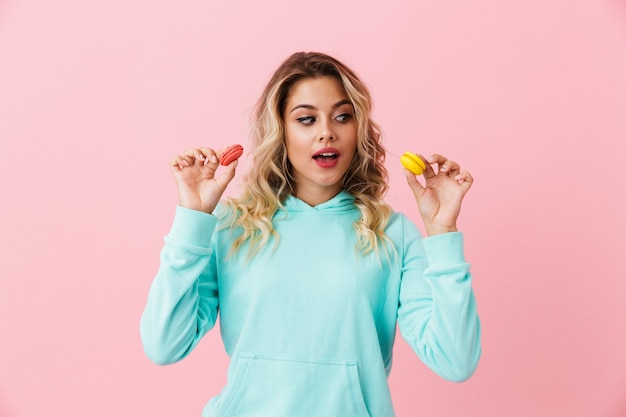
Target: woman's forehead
{"points": [[316, 92]]}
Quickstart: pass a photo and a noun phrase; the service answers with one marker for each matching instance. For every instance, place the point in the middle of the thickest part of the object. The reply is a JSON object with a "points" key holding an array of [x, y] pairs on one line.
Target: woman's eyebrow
{"points": [[311, 107], [303, 106], [341, 103]]}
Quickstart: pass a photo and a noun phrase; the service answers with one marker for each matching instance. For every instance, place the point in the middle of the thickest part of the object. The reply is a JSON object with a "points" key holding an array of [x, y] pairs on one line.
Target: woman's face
{"points": [[321, 137]]}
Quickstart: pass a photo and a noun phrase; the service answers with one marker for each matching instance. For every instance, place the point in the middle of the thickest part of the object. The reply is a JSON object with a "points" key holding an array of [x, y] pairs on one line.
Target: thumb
{"points": [[227, 175], [417, 188]]}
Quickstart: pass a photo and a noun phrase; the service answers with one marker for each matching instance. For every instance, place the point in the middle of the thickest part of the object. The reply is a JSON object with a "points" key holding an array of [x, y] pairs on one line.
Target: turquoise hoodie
{"points": [[310, 324]]}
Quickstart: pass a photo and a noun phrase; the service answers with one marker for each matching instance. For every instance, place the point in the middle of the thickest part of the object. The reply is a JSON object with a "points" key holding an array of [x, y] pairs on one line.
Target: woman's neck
{"points": [[316, 197]]}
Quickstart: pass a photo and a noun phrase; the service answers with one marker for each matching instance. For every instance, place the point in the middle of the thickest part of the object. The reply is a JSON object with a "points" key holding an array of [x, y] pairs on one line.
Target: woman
{"points": [[309, 268]]}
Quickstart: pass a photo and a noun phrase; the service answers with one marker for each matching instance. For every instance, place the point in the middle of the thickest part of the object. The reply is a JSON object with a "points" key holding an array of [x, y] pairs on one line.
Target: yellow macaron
{"points": [[413, 163]]}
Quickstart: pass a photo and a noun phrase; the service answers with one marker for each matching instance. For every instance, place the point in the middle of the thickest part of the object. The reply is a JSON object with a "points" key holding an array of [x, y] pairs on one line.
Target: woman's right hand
{"points": [[198, 186]]}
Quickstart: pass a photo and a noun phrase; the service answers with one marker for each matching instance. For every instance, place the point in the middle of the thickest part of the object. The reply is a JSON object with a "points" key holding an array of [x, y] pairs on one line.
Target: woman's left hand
{"points": [[439, 200]]}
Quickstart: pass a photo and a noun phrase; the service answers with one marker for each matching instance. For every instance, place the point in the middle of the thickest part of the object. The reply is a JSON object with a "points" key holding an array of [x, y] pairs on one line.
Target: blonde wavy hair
{"points": [[269, 181]]}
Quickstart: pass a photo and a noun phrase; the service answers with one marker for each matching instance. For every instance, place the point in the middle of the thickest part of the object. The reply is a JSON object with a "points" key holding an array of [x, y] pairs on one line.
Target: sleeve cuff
{"points": [[444, 249], [192, 227]]}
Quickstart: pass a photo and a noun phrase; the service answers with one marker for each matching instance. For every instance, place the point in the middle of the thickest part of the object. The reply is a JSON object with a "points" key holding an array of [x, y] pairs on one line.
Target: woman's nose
{"points": [[326, 132]]}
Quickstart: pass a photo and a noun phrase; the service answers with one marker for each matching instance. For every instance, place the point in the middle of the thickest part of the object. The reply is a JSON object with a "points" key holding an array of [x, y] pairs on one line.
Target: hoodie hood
{"points": [[342, 202]]}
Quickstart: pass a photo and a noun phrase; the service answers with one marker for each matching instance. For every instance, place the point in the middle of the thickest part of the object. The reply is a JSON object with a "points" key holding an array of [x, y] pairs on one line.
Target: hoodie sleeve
{"points": [[183, 301], [437, 314]]}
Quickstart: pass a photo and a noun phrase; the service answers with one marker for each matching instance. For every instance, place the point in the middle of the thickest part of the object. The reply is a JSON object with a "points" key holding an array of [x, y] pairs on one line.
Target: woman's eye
{"points": [[307, 120], [344, 117]]}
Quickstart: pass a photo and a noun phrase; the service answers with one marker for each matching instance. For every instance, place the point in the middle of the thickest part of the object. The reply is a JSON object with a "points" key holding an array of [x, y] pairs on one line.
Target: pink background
{"points": [[97, 96]]}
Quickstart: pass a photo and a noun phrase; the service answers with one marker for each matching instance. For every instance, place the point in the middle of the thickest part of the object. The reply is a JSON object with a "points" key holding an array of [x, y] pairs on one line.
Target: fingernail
{"points": [[213, 158]]}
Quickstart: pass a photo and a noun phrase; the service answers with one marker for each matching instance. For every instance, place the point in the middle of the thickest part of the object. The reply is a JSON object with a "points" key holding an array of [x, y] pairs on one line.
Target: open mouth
{"points": [[326, 156]]}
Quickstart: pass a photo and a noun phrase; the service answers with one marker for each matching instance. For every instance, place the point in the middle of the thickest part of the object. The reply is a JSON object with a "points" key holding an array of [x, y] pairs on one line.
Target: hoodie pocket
{"points": [[267, 385]]}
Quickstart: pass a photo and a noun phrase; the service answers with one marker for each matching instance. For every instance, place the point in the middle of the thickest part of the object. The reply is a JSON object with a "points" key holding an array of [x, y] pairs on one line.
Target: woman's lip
{"points": [[326, 162], [326, 150], [329, 161]]}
